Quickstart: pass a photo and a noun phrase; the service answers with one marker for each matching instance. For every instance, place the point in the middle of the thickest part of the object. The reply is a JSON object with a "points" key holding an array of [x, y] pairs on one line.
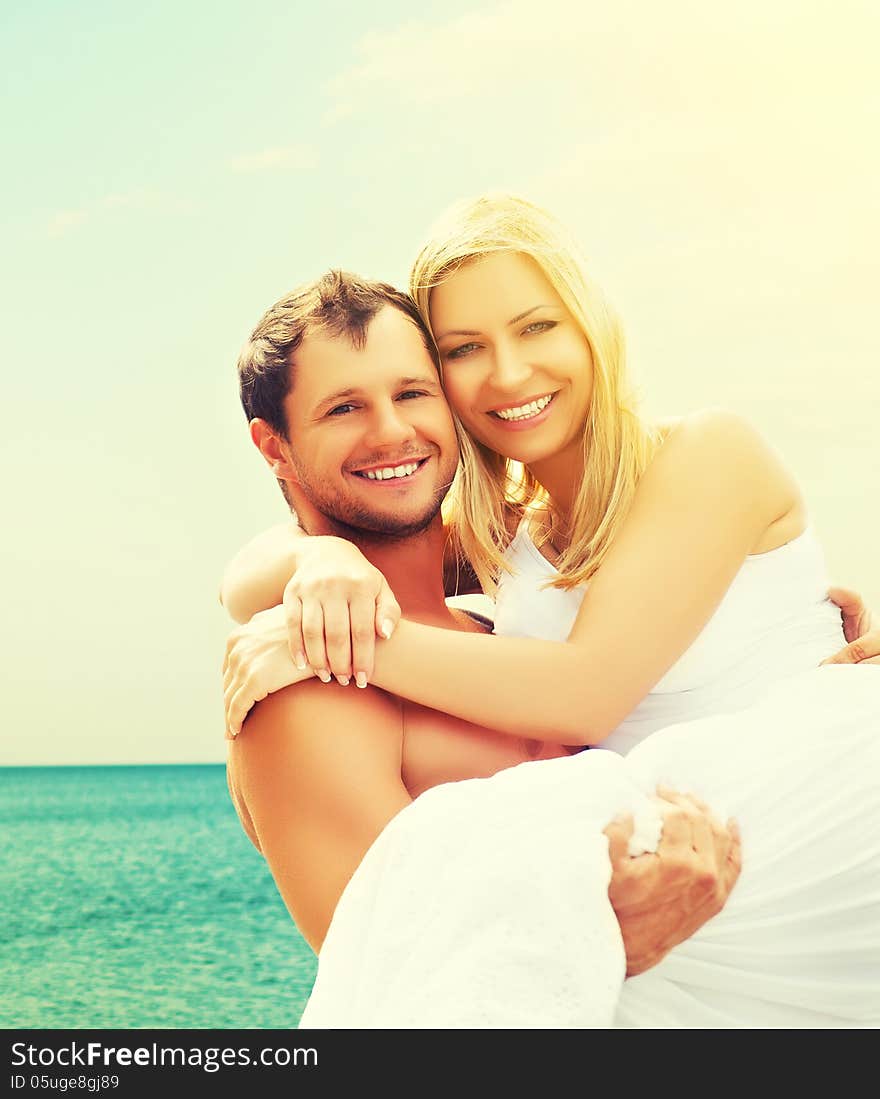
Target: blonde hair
{"points": [[617, 444]]}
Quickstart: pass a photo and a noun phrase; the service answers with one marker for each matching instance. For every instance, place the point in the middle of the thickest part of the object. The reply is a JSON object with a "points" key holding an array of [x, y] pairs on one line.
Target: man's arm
{"points": [[315, 803]]}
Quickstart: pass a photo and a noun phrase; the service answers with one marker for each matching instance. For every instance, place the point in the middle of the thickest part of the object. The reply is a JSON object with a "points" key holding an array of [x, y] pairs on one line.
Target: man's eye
{"points": [[461, 351], [340, 410], [538, 326]]}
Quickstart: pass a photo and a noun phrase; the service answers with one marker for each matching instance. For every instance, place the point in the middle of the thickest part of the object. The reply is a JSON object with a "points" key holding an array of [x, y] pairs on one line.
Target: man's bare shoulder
{"points": [[312, 726], [315, 777], [313, 736]]}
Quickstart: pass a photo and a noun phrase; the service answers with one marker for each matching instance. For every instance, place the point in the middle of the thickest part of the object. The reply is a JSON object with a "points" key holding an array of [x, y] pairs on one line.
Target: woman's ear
{"points": [[274, 449]]}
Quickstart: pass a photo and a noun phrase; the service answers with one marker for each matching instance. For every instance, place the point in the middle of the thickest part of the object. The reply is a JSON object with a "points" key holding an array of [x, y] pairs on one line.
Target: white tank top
{"points": [[774, 621]]}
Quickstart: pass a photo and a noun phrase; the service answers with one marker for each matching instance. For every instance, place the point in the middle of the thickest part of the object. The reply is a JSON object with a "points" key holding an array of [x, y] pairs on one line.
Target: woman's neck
{"points": [[561, 476]]}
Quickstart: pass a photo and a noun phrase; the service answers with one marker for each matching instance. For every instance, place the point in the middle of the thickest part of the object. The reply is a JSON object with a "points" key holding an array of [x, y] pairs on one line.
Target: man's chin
{"points": [[390, 527], [356, 524]]}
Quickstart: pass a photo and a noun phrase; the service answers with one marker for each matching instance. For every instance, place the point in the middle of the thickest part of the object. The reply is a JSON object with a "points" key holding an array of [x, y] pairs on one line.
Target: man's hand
{"points": [[336, 603], [257, 663], [863, 637], [662, 899]]}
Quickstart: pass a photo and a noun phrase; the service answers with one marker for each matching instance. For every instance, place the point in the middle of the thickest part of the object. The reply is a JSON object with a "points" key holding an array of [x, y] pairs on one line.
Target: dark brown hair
{"points": [[337, 304]]}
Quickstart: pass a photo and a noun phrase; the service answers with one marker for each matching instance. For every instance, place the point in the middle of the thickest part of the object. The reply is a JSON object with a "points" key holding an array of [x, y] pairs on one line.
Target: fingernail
{"points": [[361, 679], [323, 675], [300, 662], [342, 680], [387, 628]]}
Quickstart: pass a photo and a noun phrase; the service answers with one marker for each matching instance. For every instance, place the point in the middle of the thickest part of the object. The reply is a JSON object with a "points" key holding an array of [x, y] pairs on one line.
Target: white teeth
{"points": [[524, 412], [387, 472]]}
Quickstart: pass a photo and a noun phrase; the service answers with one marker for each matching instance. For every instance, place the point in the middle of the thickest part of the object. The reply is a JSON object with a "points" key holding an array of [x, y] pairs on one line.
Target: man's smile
{"points": [[391, 472]]}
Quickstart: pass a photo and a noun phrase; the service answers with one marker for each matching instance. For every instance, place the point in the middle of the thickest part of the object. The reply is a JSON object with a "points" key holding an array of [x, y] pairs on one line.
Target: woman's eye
{"points": [[460, 352], [340, 410], [408, 394], [539, 326]]}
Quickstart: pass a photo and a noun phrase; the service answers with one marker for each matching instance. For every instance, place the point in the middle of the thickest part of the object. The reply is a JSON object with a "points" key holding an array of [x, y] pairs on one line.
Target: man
{"points": [[364, 397], [345, 405]]}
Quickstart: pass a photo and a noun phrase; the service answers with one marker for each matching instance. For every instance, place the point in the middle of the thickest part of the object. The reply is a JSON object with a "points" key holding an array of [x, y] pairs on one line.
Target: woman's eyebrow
{"points": [[456, 332], [522, 316], [472, 332]]}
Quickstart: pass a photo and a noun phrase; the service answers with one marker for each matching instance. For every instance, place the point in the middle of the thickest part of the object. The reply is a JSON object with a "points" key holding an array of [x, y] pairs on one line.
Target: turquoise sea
{"points": [[131, 897]]}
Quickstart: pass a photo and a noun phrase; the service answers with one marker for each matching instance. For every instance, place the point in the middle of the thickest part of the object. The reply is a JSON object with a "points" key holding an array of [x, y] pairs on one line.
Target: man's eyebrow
{"points": [[339, 395], [420, 379], [353, 391], [471, 332]]}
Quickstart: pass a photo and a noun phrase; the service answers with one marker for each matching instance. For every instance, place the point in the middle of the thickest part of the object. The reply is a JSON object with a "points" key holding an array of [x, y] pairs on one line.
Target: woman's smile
{"points": [[525, 414]]}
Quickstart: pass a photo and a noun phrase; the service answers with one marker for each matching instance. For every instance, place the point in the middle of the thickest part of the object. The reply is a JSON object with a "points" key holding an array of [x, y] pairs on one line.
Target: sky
{"points": [[172, 170]]}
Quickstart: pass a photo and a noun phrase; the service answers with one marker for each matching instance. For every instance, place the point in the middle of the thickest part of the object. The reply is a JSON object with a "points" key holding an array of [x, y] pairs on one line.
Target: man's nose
{"points": [[390, 426], [510, 371]]}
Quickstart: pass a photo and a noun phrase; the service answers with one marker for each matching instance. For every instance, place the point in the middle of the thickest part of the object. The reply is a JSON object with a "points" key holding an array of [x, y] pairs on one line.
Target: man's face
{"points": [[371, 436]]}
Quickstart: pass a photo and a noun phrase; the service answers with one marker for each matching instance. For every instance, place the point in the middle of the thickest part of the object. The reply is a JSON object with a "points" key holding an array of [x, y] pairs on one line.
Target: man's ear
{"points": [[274, 449]]}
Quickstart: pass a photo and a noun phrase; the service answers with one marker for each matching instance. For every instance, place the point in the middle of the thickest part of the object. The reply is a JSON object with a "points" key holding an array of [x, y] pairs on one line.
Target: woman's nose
{"points": [[510, 371]]}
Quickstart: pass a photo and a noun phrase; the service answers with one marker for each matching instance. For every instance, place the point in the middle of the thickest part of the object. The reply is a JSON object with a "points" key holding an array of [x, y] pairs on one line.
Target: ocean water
{"points": [[131, 897]]}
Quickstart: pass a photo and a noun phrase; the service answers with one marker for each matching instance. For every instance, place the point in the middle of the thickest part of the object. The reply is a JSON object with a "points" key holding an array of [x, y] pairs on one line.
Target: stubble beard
{"points": [[355, 521]]}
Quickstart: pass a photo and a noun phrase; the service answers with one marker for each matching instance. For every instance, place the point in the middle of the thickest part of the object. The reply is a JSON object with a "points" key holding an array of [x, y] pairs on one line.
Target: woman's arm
{"points": [[316, 578], [711, 496], [254, 579], [326, 579]]}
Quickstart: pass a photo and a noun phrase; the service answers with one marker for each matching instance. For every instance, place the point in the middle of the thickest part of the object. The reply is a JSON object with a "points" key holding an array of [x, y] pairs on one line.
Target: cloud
{"points": [[65, 221], [677, 56], [299, 157], [428, 63], [138, 199]]}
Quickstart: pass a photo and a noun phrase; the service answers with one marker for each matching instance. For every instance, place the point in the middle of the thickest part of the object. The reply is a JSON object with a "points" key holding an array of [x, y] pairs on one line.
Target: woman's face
{"points": [[516, 367]]}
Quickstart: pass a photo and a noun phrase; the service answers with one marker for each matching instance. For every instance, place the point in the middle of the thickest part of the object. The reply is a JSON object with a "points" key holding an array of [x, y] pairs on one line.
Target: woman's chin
{"points": [[517, 446]]}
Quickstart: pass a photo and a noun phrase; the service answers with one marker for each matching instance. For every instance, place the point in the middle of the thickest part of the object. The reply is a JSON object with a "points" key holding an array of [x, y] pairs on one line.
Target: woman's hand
{"points": [[862, 635], [335, 604], [256, 664]]}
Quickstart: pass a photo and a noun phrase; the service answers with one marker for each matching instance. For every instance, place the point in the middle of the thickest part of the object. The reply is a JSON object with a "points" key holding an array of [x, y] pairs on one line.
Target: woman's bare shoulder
{"points": [[717, 443], [719, 431]]}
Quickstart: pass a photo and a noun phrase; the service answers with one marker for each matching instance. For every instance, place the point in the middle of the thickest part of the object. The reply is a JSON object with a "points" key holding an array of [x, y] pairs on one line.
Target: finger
{"points": [[677, 828], [712, 838], [703, 835], [361, 610], [293, 610], [853, 653], [867, 647], [313, 639], [619, 832], [688, 800], [243, 701], [387, 611], [337, 638], [849, 601], [229, 689], [232, 707], [734, 856], [852, 610]]}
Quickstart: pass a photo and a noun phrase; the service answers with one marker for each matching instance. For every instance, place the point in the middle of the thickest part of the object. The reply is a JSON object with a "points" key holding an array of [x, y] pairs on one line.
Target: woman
{"points": [[674, 527], [562, 484]]}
